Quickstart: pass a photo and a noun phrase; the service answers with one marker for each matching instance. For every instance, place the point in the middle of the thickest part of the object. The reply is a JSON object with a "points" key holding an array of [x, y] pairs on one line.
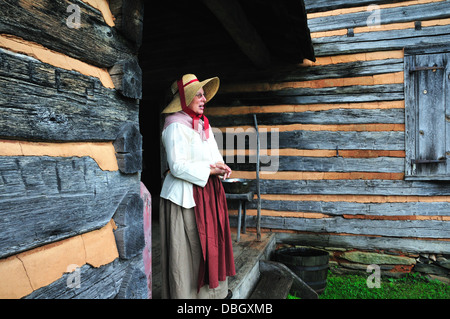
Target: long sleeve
{"points": [[183, 156]]}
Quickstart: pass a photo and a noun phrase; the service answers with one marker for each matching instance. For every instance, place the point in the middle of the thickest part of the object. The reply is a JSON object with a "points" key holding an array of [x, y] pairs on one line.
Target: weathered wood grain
{"points": [[106, 282], [128, 147], [41, 102], [421, 12], [357, 93], [351, 208], [337, 116], [355, 187], [382, 40], [325, 140], [427, 136], [327, 5], [129, 19], [394, 244], [322, 164], [45, 199], [339, 70], [130, 227], [389, 228], [127, 78], [45, 21]]}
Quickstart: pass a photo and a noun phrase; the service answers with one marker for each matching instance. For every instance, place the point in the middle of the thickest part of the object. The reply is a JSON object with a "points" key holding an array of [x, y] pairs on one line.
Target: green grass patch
{"points": [[412, 286]]}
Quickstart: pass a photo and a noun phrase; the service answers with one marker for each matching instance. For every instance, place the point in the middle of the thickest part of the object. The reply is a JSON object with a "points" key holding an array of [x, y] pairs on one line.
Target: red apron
{"points": [[213, 225]]}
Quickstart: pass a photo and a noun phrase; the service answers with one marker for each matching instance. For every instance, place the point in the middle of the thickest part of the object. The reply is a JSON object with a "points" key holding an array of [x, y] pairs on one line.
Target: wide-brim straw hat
{"points": [[191, 86]]}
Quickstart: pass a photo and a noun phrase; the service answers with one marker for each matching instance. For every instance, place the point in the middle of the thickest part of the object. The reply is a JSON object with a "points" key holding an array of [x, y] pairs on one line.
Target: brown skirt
{"points": [[181, 252]]}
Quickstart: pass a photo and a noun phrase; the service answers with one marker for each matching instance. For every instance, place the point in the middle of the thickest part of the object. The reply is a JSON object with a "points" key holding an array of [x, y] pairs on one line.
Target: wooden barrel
{"points": [[310, 264]]}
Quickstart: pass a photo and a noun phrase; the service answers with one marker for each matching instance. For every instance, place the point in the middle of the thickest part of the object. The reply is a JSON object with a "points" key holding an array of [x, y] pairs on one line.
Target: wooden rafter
{"points": [[234, 20]]}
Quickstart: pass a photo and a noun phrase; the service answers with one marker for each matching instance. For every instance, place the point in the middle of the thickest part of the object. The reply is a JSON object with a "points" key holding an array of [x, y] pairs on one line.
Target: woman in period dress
{"points": [[197, 252]]}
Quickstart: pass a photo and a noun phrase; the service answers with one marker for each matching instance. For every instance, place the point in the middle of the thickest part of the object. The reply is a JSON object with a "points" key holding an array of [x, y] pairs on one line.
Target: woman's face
{"points": [[198, 102]]}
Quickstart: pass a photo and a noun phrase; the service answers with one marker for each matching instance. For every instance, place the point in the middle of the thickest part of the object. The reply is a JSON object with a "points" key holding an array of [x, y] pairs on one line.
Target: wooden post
{"points": [[129, 19], [127, 78], [128, 146]]}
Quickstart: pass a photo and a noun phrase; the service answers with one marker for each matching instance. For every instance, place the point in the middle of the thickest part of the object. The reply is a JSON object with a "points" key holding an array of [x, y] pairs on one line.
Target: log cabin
{"points": [[353, 112], [362, 145], [74, 214], [345, 88]]}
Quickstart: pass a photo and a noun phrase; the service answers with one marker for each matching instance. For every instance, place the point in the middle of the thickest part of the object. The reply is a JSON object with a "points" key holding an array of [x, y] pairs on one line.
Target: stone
{"points": [[376, 258], [431, 269], [444, 263]]}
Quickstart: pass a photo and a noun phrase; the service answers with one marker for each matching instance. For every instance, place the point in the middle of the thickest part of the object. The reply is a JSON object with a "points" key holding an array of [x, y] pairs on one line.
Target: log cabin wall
{"points": [[71, 207], [340, 180]]}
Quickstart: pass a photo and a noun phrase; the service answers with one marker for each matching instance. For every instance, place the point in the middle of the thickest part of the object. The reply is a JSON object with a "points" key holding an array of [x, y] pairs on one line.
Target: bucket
{"points": [[310, 264]]}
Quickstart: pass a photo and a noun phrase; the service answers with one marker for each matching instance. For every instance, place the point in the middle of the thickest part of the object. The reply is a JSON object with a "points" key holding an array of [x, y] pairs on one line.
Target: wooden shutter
{"points": [[427, 112]]}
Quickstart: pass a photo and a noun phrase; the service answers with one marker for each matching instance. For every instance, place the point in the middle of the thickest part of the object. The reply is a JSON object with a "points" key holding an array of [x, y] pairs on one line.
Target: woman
{"points": [[197, 252]]}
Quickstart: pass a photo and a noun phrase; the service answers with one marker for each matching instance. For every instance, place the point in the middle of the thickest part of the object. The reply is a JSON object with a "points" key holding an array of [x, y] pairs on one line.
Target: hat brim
{"points": [[210, 86]]}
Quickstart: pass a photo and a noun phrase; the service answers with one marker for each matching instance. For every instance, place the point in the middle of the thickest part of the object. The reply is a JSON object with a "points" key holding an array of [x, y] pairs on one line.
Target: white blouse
{"points": [[189, 160]]}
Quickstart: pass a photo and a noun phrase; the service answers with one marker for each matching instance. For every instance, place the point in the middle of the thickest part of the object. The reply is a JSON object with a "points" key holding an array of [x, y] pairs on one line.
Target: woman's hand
{"points": [[220, 169]]}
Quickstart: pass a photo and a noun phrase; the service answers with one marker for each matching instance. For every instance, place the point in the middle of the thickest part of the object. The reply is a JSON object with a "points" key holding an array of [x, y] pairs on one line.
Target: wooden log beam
{"points": [[233, 18], [392, 40], [129, 19], [128, 147], [45, 199], [395, 228], [355, 187], [413, 245], [345, 94], [119, 279], [127, 78], [321, 164], [422, 12], [41, 102], [327, 117], [71, 27], [130, 228]]}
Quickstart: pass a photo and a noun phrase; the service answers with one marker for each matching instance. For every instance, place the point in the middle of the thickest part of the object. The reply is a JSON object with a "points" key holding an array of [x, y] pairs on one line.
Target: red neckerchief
{"points": [[195, 117]]}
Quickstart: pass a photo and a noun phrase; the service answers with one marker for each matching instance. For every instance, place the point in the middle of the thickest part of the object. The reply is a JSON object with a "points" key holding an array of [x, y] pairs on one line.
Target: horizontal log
{"points": [[347, 94], [385, 40], [327, 5], [41, 102], [319, 164], [389, 228], [45, 199], [355, 187], [129, 19], [334, 116], [80, 32], [339, 70], [106, 282], [351, 208], [421, 12], [301, 139], [388, 243]]}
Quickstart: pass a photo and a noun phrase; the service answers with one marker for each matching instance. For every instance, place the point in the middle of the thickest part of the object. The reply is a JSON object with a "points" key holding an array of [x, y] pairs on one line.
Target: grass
{"points": [[412, 286]]}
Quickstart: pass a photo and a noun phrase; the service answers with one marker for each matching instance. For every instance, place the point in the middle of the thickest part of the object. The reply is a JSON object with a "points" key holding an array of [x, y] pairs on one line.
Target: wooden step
{"points": [[277, 280], [247, 254], [272, 285]]}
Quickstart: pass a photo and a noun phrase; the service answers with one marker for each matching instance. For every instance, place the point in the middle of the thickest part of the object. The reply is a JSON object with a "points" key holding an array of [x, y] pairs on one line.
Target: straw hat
{"points": [[191, 86]]}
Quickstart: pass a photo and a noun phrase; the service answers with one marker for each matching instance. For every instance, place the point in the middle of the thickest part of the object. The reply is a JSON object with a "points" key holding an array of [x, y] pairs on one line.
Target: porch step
{"points": [[277, 280], [247, 254], [272, 285]]}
